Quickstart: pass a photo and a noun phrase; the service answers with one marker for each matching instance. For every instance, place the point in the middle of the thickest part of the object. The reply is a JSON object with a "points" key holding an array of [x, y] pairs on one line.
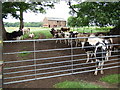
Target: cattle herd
{"points": [[17, 34], [96, 45]]}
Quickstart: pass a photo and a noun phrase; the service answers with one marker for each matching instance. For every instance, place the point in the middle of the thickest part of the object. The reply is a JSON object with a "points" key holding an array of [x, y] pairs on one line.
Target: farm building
{"points": [[54, 22]]}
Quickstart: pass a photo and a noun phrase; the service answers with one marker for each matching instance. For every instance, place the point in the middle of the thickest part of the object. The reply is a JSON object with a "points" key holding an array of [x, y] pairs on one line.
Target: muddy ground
{"points": [[48, 83]]}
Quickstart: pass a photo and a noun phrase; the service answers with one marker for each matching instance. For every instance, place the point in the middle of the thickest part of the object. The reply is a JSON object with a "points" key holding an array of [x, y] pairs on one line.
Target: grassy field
{"points": [[32, 29], [79, 29], [38, 31], [112, 79], [45, 32], [92, 29], [75, 84]]}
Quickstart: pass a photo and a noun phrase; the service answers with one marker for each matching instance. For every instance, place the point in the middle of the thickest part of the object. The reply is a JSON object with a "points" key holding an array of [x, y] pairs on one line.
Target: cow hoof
{"points": [[102, 72], [95, 74]]}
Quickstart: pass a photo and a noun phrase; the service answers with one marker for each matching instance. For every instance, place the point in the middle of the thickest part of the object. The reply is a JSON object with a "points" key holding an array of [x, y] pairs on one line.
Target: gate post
{"points": [[34, 43], [71, 43], [1, 47]]}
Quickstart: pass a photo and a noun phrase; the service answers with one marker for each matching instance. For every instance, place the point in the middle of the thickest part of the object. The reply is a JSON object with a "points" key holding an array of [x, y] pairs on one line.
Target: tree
{"points": [[78, 21], [71, 21], [37, 7], [98, 13], [14, 7], [7, 8]]}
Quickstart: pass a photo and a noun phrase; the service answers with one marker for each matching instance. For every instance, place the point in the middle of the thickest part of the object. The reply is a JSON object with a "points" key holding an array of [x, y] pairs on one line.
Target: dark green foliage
{"points": [[72, 21], [33, 24], [97, 13], [16, 9], [7, 24], [13, 7], [8, 8], [26, 24]]}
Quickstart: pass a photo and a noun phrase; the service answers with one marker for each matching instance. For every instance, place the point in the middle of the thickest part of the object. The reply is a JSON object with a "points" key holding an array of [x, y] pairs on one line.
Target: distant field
{"points": [[79, 29], [36, 30], [32, 29], [45, 32], [92, 29]]}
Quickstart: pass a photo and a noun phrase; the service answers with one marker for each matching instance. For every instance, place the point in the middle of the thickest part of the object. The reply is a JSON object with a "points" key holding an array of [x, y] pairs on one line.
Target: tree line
{"points": [[26, 24]]}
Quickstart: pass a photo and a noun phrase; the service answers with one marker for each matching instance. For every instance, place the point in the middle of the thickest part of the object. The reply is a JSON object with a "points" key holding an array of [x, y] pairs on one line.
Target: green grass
{"points": [[112, 79], [45, 32], [24, 54], [74, 84], [25, 36], [32, 29], [91, 29], [38, 32]]}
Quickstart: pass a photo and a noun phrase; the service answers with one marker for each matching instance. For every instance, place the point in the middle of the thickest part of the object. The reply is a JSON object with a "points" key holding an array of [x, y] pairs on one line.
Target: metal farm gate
{"points": [[28, 60]]}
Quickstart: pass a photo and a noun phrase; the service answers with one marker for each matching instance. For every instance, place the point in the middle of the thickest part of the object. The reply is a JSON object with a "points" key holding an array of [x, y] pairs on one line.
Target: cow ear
{"points": [[87, 43], [71, 32], [97, 43], [103, 41]]}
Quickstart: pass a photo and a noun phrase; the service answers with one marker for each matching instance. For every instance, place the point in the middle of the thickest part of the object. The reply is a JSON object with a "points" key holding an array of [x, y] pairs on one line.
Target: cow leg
{"points": [[76, 42], [60, 41], [107, 55], [88, 56], [96, 71], [56, 41], [68, 42], [92, 57], [102, 67], [97, 66], [82, 43], [110, 51], [65, 41]]}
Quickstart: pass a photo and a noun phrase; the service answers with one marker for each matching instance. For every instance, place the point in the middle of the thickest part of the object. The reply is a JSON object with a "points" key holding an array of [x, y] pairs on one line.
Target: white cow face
{"points": [[67, 34]]}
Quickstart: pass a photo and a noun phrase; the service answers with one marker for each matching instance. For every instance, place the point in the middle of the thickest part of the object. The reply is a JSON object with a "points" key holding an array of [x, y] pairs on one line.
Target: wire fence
{"points": [[28, 60]]}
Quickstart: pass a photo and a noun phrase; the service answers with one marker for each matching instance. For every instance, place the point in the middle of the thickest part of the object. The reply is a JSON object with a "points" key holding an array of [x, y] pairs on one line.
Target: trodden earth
{"points": [[50, 82]]}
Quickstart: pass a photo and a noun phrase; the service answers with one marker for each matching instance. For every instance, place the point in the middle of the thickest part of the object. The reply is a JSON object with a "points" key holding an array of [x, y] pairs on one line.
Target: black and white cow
{"points": [[57, 34], [71, 34], [97, 48], [100, 56], [13, 35], [89, 45]]}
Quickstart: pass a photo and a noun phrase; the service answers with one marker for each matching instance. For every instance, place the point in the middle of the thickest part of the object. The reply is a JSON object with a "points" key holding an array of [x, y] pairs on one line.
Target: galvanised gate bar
{"points": [[29, 60]]}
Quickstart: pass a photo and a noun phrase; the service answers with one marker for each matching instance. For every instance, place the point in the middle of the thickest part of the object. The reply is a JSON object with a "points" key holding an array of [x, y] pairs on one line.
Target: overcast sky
{"points": [[61, 10]]}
